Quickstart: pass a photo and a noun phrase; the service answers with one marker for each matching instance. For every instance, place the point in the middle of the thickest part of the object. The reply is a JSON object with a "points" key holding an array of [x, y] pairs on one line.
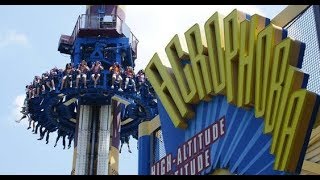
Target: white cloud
{"points": [[154, 26], [12, 37]]}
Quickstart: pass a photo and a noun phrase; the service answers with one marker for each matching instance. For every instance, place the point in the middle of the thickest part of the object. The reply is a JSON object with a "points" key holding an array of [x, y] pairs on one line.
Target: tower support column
{"points": [[97, 140]]}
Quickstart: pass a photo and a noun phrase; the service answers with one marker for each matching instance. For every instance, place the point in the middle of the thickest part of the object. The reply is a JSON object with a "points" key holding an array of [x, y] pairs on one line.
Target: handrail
{"points": [[75, 31]]}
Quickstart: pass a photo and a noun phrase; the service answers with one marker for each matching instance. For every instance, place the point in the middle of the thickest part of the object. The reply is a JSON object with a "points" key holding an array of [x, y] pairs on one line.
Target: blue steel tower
{"points": [[100, 35]]}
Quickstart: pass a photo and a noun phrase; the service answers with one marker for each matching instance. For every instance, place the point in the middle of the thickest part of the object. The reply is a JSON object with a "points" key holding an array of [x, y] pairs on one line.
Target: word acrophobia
{"points": [[254, 65]]}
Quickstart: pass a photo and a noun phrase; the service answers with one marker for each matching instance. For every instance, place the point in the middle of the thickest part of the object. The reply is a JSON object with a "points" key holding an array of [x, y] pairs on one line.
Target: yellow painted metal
{"points": [[148, 127], [288, 14]]}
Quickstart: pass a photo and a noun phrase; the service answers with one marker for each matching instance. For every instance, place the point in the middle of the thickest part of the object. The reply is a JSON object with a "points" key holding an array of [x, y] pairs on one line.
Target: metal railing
{"points": [[96, 22], [75, 31]]}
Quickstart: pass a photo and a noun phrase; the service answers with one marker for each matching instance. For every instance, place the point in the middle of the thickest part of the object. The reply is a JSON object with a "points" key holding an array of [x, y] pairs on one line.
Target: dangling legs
{"points": [[84, 78], [33, 93], [97, 79], [30, 93], [62, 82], [126, 140], [33, 126], [43, 89], [129, 148], [64, 141], [134, 85], [70, 81], [70, 140], [93, 79], [37, 127], [120, 82], [29, 124], [42, 132], [120, 147], [113, 80], [47, 138], [38, 89], [49, 86], [53, 85], [58, 137], [77, 80], [126, 83]]}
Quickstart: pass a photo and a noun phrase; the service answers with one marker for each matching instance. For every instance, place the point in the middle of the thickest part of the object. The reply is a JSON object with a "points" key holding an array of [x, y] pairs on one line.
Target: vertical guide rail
{"points": [[93, 140], [104, 139], [74, 162], [83, 140], [98, 137]]}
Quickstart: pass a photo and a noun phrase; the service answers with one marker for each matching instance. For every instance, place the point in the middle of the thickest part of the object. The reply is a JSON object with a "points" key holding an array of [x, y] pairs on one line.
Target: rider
{"points": [[42, 132], [129, 77], [96, 68], [82, 72], [116, 70], [44, 79], [63, 134], [25, 108], [50, 80], [30, 91], [67, 73], [36, 86], [141, 78], [125, 139], [70, 137]]}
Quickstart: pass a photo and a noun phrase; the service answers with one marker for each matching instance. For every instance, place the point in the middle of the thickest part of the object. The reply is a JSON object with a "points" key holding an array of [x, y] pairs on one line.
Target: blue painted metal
{"points": [[49, 109], [244, 149], [144, 161]]}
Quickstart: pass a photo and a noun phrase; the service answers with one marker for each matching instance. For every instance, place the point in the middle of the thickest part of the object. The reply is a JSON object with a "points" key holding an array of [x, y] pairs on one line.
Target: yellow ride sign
{"points": [[252, 65]]}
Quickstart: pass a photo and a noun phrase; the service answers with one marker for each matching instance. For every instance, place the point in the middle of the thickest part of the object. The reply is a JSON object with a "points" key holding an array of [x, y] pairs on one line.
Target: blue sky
{"points": [[29, 38]]}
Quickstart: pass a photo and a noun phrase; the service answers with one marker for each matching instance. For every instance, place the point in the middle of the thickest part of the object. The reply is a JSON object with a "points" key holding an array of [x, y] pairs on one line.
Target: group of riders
{"points": [[49, 81]]}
